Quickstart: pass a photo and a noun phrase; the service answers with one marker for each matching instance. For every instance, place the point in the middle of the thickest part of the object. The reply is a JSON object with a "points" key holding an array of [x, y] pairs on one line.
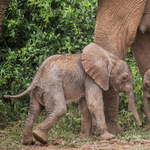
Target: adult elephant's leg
{"points": [[3, 5], [111, 102], [141, 52]]}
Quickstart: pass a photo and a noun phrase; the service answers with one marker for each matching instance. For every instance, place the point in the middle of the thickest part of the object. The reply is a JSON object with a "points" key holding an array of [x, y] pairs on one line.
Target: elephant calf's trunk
{"points": [[133, 108]]}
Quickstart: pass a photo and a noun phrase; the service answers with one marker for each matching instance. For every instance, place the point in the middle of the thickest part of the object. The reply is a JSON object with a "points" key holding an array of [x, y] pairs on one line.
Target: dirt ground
{"points": [[114, 144]]}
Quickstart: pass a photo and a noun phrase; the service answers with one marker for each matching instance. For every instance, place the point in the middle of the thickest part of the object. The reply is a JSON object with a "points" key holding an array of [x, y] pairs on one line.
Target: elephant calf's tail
{"points": [[31, 87]]}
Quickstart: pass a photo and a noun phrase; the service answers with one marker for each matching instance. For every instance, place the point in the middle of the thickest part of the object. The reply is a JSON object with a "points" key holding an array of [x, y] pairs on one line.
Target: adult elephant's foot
{"points": [[40, 135], [27, 140], [84, 135], [106, 136], [147, 127], [114, 128]]}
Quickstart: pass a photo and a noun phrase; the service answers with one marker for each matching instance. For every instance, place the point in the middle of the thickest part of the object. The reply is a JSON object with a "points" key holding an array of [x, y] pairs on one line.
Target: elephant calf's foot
{"points": [[27, 140], [84, 135], [106, 136], [114, 128], [40, 135]]}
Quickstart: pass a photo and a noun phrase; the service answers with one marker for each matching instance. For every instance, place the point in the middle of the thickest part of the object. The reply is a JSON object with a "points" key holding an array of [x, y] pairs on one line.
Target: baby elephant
{"points": [[62, 79], [146, 96]]}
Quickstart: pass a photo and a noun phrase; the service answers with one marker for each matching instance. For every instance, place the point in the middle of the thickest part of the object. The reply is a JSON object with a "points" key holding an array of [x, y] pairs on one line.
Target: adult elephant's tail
{"points": [[30, 88]]}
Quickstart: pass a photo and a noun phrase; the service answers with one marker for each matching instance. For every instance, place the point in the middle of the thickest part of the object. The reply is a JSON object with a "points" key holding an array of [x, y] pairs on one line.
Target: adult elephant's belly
{"points": [[141, 51]]}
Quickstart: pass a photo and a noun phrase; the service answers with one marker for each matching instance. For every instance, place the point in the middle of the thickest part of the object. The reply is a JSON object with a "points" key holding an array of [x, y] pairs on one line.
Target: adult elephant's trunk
{"points": [[131, 100], [146, 106]]}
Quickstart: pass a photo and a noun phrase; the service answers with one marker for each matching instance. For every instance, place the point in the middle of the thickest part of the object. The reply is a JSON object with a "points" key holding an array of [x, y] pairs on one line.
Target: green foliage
{"points": [[33, 30], [135, 134]]}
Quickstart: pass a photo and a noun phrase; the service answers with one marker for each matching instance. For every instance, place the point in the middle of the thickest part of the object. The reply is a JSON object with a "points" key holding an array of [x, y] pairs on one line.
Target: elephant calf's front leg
{"points": [[55, 106], [86, 120], [95, 104]]}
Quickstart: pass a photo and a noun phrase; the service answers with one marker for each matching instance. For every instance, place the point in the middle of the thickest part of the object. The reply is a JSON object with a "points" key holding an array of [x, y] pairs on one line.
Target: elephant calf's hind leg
{"points": [[34, 110], [55, 108]]}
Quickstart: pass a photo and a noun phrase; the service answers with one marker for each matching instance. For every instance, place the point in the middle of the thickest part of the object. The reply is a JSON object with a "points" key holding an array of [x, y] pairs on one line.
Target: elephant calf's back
{"points": [[64, 71]]}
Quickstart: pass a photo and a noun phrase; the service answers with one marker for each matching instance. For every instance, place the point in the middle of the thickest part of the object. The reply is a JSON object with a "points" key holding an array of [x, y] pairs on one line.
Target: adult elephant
{"points": [[116, 27]]}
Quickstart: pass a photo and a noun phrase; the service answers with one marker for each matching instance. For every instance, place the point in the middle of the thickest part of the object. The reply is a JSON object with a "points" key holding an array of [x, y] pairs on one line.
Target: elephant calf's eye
{"points": [[124, 78], [147, 85]]}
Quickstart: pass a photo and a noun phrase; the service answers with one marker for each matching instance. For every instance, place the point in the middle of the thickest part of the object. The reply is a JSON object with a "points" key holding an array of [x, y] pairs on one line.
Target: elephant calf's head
{"points": [[106, 69], [121, 77]]}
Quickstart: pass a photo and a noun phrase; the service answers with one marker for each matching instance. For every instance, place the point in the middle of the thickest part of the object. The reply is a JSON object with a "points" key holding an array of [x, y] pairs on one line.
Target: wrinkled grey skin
{"points": [[62, 79], [146, 96], [145, 21]]}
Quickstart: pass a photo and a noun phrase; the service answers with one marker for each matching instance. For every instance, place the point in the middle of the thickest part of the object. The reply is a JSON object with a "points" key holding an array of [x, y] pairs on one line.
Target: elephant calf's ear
{"points": [[96, 64]]}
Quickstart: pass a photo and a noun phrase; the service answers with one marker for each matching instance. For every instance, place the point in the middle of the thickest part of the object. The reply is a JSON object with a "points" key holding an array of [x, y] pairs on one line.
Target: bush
{"points": [[32, 31]]}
